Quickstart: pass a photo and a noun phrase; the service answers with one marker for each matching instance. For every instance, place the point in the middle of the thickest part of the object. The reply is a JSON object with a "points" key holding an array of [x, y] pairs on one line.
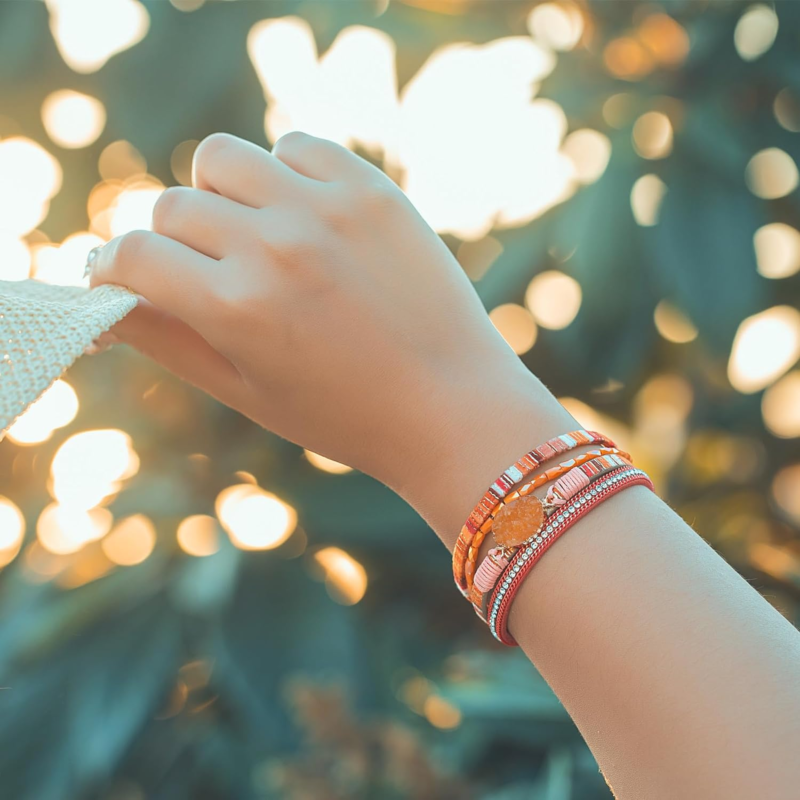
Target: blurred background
{"points": [[193, 608]]}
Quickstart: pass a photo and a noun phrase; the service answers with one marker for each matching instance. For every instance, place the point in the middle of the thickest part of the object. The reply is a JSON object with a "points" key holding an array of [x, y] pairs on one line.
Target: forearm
{"points": [[681, 677]]}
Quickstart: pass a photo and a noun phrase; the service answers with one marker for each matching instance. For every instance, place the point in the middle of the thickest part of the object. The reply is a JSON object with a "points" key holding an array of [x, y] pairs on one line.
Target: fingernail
{"points": [[103, 342], [90, 259]]}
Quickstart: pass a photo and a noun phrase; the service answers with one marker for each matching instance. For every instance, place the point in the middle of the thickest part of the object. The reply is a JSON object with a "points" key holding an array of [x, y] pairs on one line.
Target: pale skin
{"points": [[301, 288]]}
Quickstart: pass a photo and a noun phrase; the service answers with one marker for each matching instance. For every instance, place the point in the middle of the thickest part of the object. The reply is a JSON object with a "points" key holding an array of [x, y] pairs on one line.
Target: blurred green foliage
{"points": [[236, 675]]}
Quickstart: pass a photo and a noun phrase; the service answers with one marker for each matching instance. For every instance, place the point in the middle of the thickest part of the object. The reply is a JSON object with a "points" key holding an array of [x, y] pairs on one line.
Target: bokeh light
{"points": [[54, 409], [652, 135], [440, 713], [66, 529], [589, 152], [131, 541], [554, 299], [90, 466], [15, 258], [253, 518], [180, 162], [345, 578], [786, 491], [665, 38], [29, 177], [89, 32], [646, 197], [766, 345], [198, 535], [673, 324], [755, 31], [557, 25], [64, 264], [771, 173], [777, 250], [516, 325], [12, 531], [627, 58], [73, 119], [787, 110], [780, 407], [327, 464], [120, 160]]}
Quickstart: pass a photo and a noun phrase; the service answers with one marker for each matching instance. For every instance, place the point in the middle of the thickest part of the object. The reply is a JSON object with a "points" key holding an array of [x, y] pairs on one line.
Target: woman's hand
{"points": [[303, 289]]}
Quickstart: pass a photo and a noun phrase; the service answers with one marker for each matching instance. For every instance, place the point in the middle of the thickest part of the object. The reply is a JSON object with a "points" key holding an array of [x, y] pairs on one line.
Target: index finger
{"points": [[169, 274]]}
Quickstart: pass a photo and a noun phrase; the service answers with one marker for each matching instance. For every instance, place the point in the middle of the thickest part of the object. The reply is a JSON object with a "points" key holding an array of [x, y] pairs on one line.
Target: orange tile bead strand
{"points": [[567, 486], [552, 474], [510, 478]]}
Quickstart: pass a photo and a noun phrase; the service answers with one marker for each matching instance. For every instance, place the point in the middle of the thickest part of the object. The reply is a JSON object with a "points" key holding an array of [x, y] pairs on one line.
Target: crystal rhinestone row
{"points": [[590, 497]]}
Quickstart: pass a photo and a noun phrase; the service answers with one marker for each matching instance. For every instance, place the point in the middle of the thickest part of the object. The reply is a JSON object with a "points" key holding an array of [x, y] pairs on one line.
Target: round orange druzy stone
{"points": [[518, 521]]}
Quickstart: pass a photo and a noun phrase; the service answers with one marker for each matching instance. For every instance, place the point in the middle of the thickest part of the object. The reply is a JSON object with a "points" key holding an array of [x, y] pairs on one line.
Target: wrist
{"points": [[479, 436]]}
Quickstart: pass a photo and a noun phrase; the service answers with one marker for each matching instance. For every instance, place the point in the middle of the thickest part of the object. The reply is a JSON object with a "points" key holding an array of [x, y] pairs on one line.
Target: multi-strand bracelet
{"points": [[500, 489], [525, 525]]}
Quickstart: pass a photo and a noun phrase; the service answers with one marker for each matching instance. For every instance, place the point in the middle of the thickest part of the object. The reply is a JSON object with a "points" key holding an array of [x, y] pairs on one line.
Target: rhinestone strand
{"points": [[530, 552]]}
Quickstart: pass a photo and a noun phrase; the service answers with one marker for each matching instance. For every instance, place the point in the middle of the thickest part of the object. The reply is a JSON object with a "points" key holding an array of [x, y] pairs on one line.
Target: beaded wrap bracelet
{"points": [[564, 474], [558, 495], [517, 570], [511, 477]]}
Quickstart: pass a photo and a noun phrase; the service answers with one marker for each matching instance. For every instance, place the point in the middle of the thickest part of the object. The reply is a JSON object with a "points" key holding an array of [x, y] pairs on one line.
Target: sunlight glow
{"points": [[12, 531], [29, 177], [15, 258], [54, 409], [89, 32], [786, 491], [433, 136], [63, 264], [766, 345], [90, 466]]}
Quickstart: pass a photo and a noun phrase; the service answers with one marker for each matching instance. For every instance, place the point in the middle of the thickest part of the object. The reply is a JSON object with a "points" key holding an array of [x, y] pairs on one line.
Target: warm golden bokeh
{"points": [[253, 518], [554, 299], [780, 406], [54, 409], [131, 541], [345, 578], [673, 324], [647, 195], [198, 535], [766, 346], [777, 250], [771, 174], [516, 325], [755, 31], [73, 119], [327, 464]]}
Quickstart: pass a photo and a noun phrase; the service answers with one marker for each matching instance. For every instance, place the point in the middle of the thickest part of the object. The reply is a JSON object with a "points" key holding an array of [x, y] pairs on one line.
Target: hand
{"points": [[302, 288]]}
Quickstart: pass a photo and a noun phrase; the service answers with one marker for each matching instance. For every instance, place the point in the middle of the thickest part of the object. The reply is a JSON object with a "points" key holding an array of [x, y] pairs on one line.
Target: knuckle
{"points": [[130, 249], [293, 141], [210, 148], [167, 206]]}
